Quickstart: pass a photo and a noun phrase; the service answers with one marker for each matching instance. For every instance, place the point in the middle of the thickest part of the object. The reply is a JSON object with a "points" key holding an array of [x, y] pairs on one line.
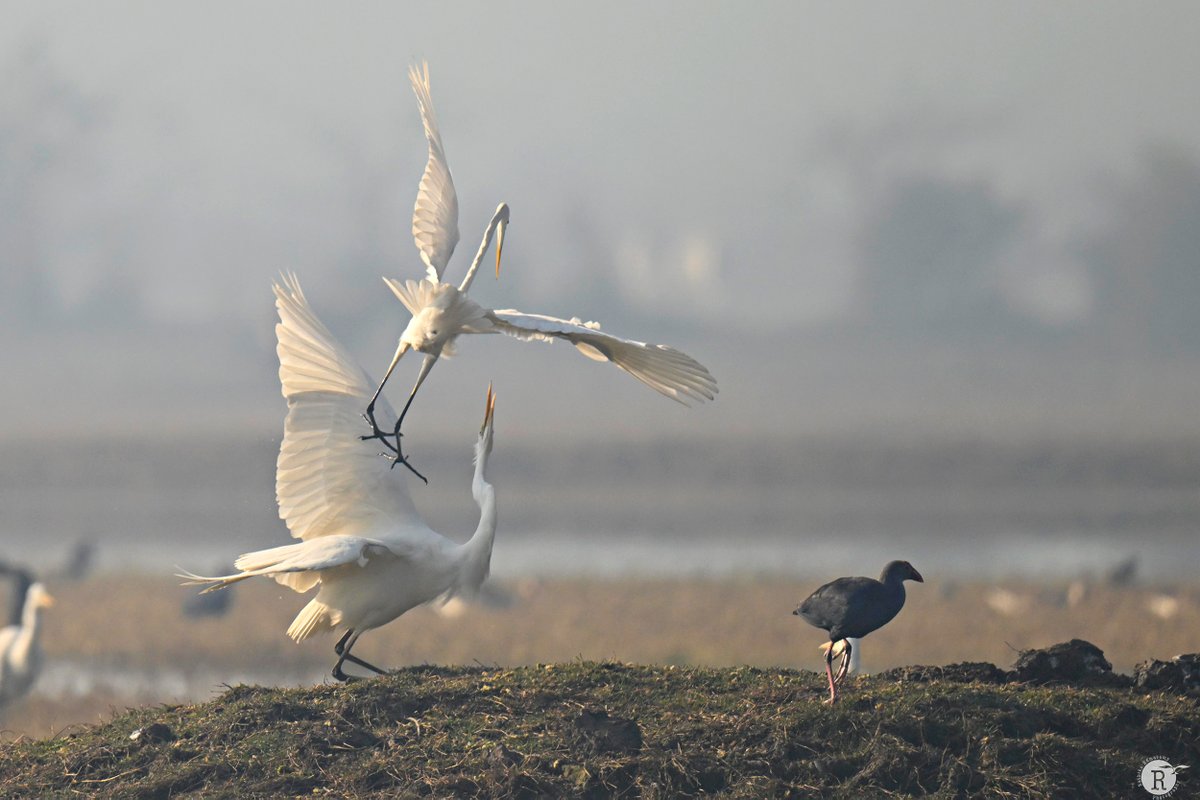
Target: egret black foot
{"points": [[400, 459], [378, 432], [397, 453], [343, 677]]}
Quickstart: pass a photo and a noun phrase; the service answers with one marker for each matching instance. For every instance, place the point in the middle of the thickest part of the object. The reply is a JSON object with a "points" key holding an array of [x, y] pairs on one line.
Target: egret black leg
{"points": [[356, 660], [829, 674], [400, 421], [377, 433], [342, 648]]}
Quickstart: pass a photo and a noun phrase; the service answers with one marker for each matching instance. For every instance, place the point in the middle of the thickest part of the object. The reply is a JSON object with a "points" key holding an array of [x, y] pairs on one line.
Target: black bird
{"points": [[21, 581], [850, 608]]}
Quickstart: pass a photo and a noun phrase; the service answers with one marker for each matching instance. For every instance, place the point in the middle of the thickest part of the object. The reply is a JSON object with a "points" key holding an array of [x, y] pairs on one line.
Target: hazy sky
{"points": [[703, 163], [706, 145]]}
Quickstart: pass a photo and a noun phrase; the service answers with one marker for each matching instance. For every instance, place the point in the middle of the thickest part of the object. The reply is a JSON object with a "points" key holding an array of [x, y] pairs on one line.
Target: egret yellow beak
{"points": [[47, 601], [499, 246], [489, 409]]}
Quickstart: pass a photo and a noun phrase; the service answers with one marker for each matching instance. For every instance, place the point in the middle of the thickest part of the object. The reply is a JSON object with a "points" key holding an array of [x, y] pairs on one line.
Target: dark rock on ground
{"points": [[609, 734], [1076, 662], [1180, 674]]}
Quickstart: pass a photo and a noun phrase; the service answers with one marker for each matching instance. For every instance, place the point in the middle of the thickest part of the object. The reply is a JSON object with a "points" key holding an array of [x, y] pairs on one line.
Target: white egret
{"points": [[441, 312], [362, 541], [21, 648]]}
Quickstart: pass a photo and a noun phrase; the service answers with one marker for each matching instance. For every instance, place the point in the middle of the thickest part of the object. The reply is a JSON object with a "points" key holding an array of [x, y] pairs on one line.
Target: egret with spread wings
{"points": [[441, 312], [363, 545]]}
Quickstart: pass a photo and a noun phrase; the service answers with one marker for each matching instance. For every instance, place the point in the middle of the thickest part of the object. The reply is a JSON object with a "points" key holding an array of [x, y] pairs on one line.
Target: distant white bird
{"points": [[441, 312], [363, 542], [20, 647]]}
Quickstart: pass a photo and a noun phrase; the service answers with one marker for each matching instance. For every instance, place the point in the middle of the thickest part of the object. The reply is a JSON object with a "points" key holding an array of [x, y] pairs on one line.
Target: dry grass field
{"points": [[115, 641]]}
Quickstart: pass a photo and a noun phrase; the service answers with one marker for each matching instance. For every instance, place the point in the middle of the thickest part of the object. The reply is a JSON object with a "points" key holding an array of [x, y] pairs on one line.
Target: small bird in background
{"points": [[363, 544], [850, 608], [211, 604], [441, 312], [21, 648], [20, 579], [78, 563]]}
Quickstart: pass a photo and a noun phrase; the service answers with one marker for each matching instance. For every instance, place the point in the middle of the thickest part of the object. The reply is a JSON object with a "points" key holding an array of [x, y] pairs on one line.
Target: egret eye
{"points": [[433, 332]]}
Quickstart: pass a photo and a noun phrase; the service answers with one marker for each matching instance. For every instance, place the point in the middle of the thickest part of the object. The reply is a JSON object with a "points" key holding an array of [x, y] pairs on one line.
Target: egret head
{"points": [[38, 597]]}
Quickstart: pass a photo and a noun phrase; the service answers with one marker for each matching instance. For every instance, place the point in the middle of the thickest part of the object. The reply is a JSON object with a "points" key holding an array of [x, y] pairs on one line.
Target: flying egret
{"points": [[441, 312], [850, 608], [20, 647], [362, 541]]}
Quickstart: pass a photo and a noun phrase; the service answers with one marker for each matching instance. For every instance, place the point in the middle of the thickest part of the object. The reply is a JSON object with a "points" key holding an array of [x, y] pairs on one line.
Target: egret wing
{"points": [[328, 480], [299, 565], [664, 369], [435, 215]]}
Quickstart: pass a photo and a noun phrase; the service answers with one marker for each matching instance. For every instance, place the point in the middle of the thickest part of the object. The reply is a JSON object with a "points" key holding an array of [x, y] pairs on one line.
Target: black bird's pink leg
{"points": [[844, 668]]}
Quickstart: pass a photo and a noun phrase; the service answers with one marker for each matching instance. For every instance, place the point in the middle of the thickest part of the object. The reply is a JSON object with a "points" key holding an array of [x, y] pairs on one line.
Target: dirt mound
{"points": [[966, 672], [611, 730]]}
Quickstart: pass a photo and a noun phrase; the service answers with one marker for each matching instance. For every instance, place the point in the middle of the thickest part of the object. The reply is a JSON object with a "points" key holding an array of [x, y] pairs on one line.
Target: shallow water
{"points": [[971, 508], [64, 679]]}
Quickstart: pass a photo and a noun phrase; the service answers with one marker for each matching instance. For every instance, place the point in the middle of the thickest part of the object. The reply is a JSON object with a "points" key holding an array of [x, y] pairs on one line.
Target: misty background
{"points": [[942, 259]]}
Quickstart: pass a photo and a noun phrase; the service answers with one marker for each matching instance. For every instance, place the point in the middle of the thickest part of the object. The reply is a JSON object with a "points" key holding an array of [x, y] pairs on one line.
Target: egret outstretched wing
{"points": [[329, 481], [662, 368], [435, 215]]}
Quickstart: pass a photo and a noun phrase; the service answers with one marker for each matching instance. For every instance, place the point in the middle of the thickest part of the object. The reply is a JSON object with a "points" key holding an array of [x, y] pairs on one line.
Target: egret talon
{"points": [[401, 460]]}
